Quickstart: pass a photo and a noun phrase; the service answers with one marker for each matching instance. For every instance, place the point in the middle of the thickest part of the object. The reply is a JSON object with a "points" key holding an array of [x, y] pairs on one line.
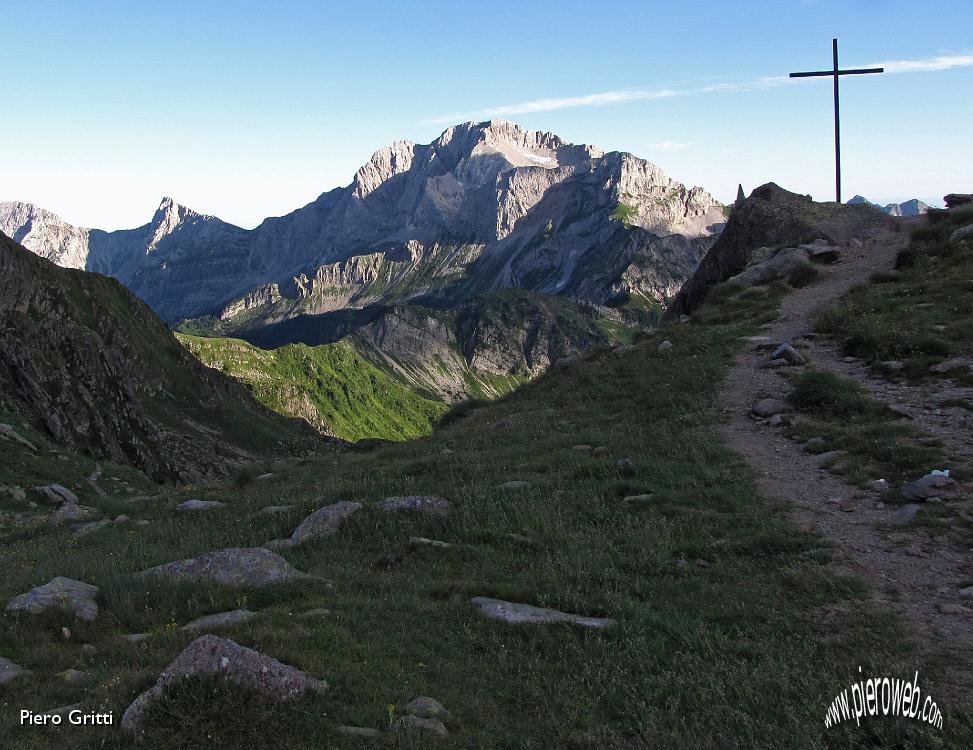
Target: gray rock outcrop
{"points": [[61, 593], [210, 656], [235, 568]]}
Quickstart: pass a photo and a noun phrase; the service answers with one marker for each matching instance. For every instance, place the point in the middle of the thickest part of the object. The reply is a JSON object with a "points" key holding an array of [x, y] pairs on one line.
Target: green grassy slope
{"points": [[733, 628], [332, 386], [919, 316]]}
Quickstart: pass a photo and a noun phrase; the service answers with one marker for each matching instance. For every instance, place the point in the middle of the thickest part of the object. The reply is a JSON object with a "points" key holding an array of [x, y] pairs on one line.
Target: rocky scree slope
{"points": [[485, 206], [88, 363]]}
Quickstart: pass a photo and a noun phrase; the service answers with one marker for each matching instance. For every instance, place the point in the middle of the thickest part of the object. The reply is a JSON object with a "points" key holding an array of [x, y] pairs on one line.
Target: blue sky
{"points": [[250, 109]]}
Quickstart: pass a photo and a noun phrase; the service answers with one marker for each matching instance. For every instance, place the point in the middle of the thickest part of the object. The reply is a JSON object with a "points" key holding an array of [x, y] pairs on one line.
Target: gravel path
{"points": [[912, 573]]}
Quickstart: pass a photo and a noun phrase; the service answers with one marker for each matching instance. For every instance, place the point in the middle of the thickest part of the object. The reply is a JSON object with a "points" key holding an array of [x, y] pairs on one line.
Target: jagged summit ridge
{"points": [[484, 206]]}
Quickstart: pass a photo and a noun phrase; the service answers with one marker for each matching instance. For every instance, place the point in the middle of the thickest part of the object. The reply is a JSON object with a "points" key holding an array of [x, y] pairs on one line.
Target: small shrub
{"points": [[827, 394]]}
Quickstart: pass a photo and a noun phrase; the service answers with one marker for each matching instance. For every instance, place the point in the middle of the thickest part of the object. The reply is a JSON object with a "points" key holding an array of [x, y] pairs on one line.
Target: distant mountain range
{"points": [[914, 207], [485, 206]]}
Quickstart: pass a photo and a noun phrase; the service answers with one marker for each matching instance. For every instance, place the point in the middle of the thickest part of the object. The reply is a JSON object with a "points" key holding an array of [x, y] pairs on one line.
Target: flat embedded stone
{"points": [[199, 505], [220, 620], [527, 614], [418, 724], [234, 567], [514, 484], [422, 503]]}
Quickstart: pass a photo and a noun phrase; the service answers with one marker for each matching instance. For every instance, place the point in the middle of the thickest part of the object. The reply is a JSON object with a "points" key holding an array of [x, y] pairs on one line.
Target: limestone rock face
{"points": [[234, 567], [61, 593], [210, 656], [485, 206]]}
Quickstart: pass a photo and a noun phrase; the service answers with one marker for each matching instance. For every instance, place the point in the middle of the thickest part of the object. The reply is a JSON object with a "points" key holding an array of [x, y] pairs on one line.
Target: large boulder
{"points": [[66, 594], [235, 567], [210, 656], [930, 486]]}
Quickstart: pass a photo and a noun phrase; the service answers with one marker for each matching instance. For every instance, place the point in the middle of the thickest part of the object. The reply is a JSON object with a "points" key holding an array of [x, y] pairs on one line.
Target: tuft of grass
{"points": [[922, 314], [829, 395]]}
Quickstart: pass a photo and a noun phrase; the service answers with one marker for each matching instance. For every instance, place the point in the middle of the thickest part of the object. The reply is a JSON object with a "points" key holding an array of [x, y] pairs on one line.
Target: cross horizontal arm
{"points": [[849, 72]]}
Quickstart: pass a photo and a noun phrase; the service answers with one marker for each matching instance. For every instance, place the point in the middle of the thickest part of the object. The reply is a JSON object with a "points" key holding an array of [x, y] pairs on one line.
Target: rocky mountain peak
{"points": [[385, 163], [168, 216]]}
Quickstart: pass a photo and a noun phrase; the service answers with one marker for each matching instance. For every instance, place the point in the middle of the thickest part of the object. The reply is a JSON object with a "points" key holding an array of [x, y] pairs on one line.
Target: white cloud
{"points": [[929, 64], [603, 98], [668, 147]]}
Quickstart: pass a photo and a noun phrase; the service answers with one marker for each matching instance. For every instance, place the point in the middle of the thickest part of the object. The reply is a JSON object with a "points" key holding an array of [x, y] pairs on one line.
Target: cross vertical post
{"points": [[835, 72]]}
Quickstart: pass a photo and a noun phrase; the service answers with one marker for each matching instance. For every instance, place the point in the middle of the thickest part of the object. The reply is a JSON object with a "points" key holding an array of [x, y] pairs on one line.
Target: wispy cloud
{"points": [[927, 65], [603, 98], [668, 147]]}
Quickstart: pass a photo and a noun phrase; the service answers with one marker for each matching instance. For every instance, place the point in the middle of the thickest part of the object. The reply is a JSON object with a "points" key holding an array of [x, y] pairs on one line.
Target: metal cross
{"points": [[836, 73]]}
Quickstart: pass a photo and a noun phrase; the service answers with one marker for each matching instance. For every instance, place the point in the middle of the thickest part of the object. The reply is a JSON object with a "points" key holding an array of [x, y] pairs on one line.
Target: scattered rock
{"points": [[234, 567], [582, 448], [816, 445], [878, 485], [390, 560], [80, 530], [960, 235], [220, 620], [57, 494], [17, 493], [9, 671], [601, 450], [905, 515], [930, 486], [778, 420], [527, 614], [790, 354], [829, 456], [665, 346], [122, 518], [417, 724], [358, 731], [265, 477], [514, 484], [313, 614], [75, 677], [647, 499], [9, 433], [775, 364], [625, 466], [421, 541], [423, 503], [957, 363], [768, 407], [893, 365], [71, 513], [210, 656], [273, 510], [137, 637], [200, 505], [324, 522], [427, 708], [61, 593], [701, 563]]}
